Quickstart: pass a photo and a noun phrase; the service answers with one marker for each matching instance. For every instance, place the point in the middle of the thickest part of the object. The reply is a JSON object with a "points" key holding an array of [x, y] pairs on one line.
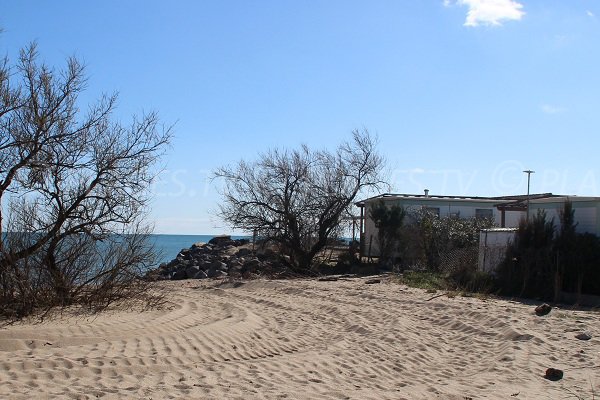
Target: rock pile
{"points": [[220, 257]]}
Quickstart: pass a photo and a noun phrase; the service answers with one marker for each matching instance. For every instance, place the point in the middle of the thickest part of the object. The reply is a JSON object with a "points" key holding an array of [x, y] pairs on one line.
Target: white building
{"points": [[507, 211]]}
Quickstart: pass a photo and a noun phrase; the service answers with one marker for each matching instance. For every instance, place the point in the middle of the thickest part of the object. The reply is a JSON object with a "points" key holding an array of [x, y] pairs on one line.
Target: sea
{"points": [[168, 246]]}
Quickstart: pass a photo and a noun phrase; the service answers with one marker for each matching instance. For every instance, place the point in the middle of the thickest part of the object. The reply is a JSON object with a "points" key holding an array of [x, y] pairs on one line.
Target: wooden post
{"points": [[369, 259]]}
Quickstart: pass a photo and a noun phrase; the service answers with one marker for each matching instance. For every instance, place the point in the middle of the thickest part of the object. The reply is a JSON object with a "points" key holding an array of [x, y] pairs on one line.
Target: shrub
{"points": [[439, 241], [527, 268], [74, 191], [541, 264], [388, 220]]}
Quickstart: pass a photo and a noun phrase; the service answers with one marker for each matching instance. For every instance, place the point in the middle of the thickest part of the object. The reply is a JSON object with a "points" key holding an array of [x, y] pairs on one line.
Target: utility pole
{"points": [[528, 172]]}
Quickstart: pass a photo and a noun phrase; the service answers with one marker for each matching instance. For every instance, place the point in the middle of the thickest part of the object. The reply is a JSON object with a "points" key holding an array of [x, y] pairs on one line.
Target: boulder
{"points": [[234, 265], [234, 273], [554, 374], [220, 240], [218, 265], [192, 271], [226, 248], [203, 258], [179, 274], [185, 254], [584, 336], [216, 273], [181, 263], [251, 264], [201, 275], [542, 309], [165, 272], [164, 269], [243, 252], [266, 254]]}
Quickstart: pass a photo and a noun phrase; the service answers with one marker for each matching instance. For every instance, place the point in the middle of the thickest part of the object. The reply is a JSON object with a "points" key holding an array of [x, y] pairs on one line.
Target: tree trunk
{"points": [[59, 281], [557, 286], [579, 287], [1, 230]]}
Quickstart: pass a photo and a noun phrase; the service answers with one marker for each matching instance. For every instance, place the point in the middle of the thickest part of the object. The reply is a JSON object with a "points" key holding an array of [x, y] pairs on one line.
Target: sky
{"points": [[463, 95]]}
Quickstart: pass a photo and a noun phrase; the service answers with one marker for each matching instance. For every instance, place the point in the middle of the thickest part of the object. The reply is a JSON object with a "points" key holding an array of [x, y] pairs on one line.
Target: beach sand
{"points": [[305, 339]]}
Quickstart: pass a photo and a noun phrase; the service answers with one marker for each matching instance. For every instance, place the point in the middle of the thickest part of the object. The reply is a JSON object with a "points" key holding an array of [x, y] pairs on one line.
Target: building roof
{"points": [[511, 202], [499, 199], [499, 230]]}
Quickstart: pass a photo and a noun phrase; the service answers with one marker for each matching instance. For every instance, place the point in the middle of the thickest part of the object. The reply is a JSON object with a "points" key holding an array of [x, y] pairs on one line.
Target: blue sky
{"points": [[463, 94]]}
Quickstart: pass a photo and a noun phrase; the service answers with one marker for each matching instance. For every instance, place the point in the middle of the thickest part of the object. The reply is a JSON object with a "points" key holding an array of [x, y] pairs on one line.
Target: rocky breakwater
{"points": [[222, 257]]}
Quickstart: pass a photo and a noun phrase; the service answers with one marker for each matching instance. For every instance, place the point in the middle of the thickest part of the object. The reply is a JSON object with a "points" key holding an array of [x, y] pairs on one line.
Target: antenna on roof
{"points": [[528, 172]]}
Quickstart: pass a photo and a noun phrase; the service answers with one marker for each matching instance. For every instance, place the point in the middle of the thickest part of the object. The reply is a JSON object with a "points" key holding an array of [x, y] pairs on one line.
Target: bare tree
{"points": [[74, 187], [298, 198]]}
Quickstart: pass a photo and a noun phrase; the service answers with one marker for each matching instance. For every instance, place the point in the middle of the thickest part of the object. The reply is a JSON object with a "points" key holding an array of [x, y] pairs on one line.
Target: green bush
{"points": [[438, 240], [388, 221], [541, 263], [424, 280], [528, 267], [470, 279]]}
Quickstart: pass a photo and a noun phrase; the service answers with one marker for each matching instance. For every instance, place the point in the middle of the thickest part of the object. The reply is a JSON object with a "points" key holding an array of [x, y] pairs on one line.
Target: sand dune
{"points": [[305, 339]]}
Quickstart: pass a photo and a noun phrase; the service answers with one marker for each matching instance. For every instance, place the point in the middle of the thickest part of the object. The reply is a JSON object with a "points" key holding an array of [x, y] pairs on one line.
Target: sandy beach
{"points": [[305, 339]]}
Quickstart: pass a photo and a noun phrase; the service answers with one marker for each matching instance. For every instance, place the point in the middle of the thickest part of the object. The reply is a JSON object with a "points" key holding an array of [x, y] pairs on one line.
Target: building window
{"points": [[484, 213]]}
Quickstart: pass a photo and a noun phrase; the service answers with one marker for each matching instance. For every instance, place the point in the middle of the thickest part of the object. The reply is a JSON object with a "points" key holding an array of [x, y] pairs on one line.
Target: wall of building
{"points": [[586, 214], [460, 208], [492, 247], [446, 208], [513, 218]]}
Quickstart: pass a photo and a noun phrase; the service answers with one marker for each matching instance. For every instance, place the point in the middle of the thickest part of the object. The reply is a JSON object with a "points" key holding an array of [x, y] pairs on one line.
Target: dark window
{"points": [[482, 213]]}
